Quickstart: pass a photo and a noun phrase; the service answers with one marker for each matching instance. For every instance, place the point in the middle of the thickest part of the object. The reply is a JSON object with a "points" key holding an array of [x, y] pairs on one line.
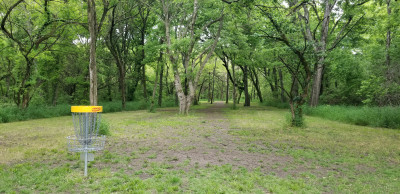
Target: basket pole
{"points": [[86, 158], [86, 141]]}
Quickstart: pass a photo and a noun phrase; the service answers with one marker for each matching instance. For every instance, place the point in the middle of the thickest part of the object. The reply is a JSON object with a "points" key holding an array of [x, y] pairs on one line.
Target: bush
{"points": [[104, 128], [276, 103]]}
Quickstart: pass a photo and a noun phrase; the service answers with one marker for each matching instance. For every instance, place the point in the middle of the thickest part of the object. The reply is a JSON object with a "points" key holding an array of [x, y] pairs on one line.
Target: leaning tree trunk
{"points": [[256, 83]]}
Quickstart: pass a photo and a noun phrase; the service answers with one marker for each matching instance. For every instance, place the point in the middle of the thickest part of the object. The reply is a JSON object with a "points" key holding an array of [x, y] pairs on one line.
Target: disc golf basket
{"points": [[86, 121]]}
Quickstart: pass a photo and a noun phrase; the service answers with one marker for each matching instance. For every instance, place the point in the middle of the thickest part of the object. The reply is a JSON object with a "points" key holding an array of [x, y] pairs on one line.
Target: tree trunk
{"points": [[227, 88], [160, 92], [267, 74], [213, 82], [256, 83], [295, 87], [209, 87], [275, 83], [121, 80], [143, 65], [153, 97], [144, 81], [197, 97], [166, 80], [186, 100], [283, 98], [109, 91], [321, 51], [23, 96], [92, 21], [388, 43], [240, 95], [317, 83], [234, 87], [246, 87]]}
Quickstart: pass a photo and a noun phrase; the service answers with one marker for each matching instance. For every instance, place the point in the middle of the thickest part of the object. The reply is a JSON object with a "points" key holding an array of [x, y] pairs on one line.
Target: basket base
{"points": [[92, 144]]}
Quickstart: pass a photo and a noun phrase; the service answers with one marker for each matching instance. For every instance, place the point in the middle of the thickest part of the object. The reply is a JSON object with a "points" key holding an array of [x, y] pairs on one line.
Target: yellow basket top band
{"points": [[86, 109]]}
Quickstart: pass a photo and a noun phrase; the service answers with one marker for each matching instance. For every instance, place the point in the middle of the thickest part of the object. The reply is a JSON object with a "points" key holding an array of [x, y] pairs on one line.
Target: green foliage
{"points": [[388, 117], [276, 103], [298, 119], [104, 128]]}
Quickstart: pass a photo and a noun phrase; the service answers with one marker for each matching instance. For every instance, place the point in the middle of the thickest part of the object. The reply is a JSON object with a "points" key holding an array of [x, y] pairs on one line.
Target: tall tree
{"points": [[189, 28], [94, 29]]}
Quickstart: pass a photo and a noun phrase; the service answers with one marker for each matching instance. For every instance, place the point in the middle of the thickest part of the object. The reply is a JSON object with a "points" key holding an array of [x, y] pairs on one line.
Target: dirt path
{"points": [[204, 142]]}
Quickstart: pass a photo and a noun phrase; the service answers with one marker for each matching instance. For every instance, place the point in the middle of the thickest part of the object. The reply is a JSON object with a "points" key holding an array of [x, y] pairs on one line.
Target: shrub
{"points": [[276, 103], [104, 128]]}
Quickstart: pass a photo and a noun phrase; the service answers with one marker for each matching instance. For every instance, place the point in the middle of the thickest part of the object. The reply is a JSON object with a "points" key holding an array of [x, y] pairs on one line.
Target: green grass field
{"points": [[213, 150]]}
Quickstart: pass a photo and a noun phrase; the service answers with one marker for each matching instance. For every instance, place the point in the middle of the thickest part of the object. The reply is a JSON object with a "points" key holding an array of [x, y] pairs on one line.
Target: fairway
{"points": [[212, 150]]}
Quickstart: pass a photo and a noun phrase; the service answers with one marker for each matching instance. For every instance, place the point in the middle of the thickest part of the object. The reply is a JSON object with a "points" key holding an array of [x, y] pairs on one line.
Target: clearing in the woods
{"points": [[213, 150]]}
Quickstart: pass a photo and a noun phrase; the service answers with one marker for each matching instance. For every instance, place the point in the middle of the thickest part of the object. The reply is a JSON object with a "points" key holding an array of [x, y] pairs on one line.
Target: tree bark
{"points": [[160, 92], [246, 86], [92, 21], [275, 82], [153, 97], [193, 77], [213, 82], [283, 98], [234, 86], [388, 43], [321, 51], [209, 87], [256, 83], [227, 88]]}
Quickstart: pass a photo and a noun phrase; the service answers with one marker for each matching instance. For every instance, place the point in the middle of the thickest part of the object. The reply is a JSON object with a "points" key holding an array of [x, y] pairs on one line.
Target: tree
{"points": [[32, 37], [189, 29], [94, 30]]}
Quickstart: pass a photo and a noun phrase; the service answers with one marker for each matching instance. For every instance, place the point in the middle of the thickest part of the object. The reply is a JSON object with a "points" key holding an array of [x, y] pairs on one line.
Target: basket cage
{"points": [[86, 127]]}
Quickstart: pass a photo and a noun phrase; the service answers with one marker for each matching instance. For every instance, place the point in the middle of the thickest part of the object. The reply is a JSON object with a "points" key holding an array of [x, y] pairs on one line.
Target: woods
{"points": [[304, 53], [199, 96]]}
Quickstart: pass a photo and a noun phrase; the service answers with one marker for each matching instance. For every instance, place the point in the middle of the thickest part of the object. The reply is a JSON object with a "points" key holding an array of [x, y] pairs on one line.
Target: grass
{"points": [[249, 150], [11, 113], [355, 158], [387, 117]]}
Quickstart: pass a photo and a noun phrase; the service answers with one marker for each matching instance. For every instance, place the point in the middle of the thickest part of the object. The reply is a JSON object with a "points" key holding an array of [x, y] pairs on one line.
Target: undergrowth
{"points": [[387, 117], [11, 113]]}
